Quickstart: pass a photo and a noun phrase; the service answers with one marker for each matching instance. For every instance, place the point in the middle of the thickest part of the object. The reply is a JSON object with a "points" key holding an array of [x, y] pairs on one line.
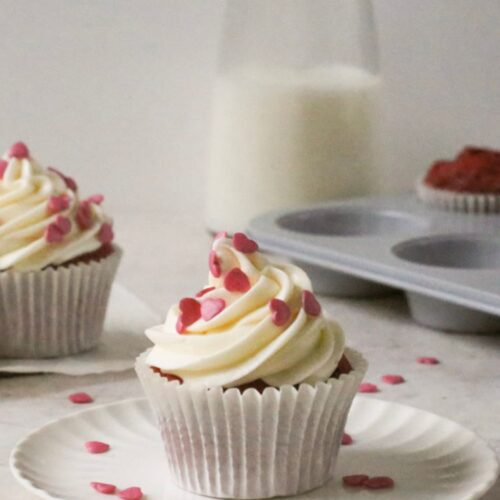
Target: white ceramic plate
{"points": [[122, 341], [429, 457]]}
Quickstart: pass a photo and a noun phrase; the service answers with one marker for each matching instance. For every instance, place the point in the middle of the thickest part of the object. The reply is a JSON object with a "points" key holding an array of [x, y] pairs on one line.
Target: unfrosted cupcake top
{"points": [[257, 319], [474, 170], [43, 222]]}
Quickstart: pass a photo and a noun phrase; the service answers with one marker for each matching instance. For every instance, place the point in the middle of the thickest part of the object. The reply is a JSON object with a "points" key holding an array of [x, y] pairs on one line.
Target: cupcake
{"points": [[57, 261], [469, 183], [249, 381]]}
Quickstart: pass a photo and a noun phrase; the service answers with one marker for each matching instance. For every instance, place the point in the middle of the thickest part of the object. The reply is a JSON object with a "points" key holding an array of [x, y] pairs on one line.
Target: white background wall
{"points": [[117, 92]]}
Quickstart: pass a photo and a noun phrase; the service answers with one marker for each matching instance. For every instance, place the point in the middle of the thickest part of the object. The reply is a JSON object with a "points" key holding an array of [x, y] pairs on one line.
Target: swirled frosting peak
{"points": [[257, 319], [42, 219]]}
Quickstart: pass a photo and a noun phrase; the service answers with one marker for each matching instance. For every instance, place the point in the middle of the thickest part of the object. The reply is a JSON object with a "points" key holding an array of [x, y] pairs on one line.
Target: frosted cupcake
{"points": [[250, 382], [57, 261], [468, 183]]}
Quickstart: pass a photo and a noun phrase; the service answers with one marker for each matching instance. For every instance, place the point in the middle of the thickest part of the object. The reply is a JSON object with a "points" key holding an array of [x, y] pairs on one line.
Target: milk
{"points": [[283, 138]]}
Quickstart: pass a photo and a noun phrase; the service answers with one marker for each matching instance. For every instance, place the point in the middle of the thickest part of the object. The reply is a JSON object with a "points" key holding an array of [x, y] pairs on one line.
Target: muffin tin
{"points": [[448, 264]]}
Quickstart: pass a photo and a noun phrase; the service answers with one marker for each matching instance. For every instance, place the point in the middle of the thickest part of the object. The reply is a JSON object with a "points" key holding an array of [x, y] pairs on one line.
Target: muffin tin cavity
{"points": [[350, 222], [447, 263], [458, 251]]}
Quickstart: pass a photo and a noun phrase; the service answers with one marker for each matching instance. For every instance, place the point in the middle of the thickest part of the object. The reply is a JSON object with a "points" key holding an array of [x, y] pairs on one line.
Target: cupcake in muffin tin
{"points": [[469, 183], [57, 261], [250, 382]]}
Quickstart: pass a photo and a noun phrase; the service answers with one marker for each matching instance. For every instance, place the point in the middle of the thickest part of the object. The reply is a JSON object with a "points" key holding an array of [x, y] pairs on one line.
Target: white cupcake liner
{"points": [[473, 203], [55, 311], [228, 444]]}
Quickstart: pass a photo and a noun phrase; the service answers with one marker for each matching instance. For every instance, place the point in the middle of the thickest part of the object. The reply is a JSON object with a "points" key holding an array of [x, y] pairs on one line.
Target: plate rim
{"points": [[26, 483]]}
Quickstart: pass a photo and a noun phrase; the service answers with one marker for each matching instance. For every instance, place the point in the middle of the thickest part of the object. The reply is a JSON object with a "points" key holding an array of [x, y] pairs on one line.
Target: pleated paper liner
{"points": [[55, 311], [228, 444], [473, 203]]}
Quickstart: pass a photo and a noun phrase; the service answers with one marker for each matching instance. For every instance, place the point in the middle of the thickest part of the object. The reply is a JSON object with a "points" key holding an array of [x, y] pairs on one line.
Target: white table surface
{"points": [[166, 259]]}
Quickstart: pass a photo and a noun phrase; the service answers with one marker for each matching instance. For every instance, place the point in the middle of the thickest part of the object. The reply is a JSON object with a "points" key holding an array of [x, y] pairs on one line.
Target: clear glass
{"points": [[295, 110]]}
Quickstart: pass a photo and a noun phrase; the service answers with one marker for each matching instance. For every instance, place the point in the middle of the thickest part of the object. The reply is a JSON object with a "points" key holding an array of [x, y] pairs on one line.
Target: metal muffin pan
{"points": [[447, 263]]}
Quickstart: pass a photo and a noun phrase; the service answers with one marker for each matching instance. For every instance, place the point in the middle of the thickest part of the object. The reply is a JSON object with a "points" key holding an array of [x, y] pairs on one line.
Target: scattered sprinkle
{"points": [[80, 398], [18, 150], [70, 183], [244, 244], [378, 483], [236, 281], [367, 387], [211, 307], [107, 489], [214, 264], [96, 447], [392, 379], [355, 480], [133, 493], [428, 360], [280, 311], [310, 304], [346, 439], [55, 231]]}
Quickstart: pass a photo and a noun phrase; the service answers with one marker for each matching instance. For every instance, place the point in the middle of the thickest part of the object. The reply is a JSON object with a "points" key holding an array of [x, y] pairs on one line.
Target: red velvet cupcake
{"points": [[469, 183], [57, 261]]}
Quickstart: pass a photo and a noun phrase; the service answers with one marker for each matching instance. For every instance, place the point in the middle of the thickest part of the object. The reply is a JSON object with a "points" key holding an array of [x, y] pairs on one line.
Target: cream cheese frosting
{"points": [[256, 319], [42, 220]]}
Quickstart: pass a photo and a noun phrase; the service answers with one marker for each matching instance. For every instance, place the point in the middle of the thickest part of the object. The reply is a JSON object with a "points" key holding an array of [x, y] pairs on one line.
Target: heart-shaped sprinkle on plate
{"points": [[367, 387], [107, 489], [133, 493], [97, 447], [355, 480], [392, 379], [80, 398], [346, 439], [428, 360]]}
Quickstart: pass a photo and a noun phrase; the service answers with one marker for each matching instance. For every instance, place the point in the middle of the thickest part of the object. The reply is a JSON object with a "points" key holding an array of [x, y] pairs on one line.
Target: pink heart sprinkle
{"points": [[346, 439], [214, 264], [428, 360], [18, 150], [105, 234], [310, 303], [95, 198], [355, 480], [204, 291], [96, 447], [133, 493], [378, 482], [3, 167], [70, 183], [57, 203], [393, 379], [190, 311], [367, 387], [84, 215], [220, 235], [280, 311], [236, 281], [107, 489], [244, 244], [80, 398], [211, 307], [63, 223], [53, 234]]}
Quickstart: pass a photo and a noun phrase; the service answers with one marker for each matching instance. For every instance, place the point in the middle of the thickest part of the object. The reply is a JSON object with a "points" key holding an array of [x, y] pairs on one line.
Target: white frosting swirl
{"points": [[242, 344], [26, 191]]}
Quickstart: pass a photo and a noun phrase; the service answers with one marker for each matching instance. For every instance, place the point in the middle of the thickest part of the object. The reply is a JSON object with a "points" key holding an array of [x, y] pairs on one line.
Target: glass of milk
{"points": [[295, 111]]}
